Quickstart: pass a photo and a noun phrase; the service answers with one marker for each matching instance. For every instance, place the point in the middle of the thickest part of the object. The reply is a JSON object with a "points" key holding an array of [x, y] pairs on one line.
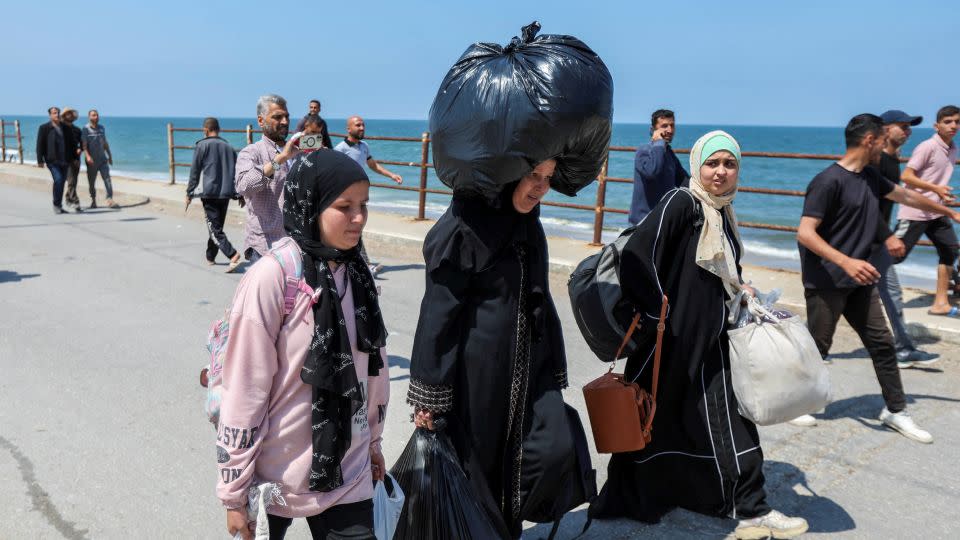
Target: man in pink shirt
{"points": [[260, 172], [928, 172]]}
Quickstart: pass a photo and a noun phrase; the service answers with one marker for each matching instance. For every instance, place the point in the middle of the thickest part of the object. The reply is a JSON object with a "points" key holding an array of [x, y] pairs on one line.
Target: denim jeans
{"points": [[59, 173], [892, 296]]}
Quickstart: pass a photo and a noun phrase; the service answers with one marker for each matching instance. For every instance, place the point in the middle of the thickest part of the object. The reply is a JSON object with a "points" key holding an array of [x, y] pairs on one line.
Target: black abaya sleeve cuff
{"points": [[561, 377], [432, 397]]}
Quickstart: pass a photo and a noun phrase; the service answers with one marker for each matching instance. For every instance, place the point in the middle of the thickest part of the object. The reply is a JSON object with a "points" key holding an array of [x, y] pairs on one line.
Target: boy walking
{"points": [[211, 179]]}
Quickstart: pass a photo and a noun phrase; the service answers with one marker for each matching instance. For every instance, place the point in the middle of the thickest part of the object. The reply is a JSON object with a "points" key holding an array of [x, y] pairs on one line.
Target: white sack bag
{"points": [[777, 371], [387, 507]]}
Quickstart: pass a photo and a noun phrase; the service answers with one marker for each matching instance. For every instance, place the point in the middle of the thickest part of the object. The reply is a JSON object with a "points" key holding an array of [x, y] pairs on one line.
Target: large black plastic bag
{"points": [[502, 110], [440, 503]]}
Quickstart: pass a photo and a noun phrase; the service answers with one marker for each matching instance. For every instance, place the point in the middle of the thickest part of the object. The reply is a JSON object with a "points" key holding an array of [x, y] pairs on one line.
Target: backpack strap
{"points": [[287, 253]]}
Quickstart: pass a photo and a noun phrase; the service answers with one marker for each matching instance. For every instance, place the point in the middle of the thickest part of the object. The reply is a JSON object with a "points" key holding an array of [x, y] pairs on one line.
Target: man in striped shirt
{"points": [[262, 168]]}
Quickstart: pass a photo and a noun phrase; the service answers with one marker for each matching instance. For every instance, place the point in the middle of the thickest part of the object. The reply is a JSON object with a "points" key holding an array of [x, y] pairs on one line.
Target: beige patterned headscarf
{"points": [[715, 253]]}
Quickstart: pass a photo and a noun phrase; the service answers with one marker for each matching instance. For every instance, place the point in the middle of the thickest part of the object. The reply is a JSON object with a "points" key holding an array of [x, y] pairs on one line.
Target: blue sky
{"points": [[768, 63]]}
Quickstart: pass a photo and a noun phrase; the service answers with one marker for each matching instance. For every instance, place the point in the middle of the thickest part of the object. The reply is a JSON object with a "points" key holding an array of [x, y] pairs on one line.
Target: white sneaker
{"points": [[804, 421], [902, 422], [375, 268], [773, 524]]}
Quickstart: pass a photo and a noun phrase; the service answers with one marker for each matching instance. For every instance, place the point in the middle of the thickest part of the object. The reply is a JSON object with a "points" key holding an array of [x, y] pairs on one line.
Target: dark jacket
{"points": [[656, 171], [324, 132], [214, 160], [71, 141], [50, 145]]}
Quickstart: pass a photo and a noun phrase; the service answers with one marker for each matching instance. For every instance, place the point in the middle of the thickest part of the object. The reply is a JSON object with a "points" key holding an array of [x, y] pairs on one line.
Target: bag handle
{"points": [[661, 326]]}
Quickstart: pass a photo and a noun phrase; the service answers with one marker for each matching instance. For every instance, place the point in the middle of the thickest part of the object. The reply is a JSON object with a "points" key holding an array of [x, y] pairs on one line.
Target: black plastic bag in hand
{"points": [[502, 110], [440, 503]]}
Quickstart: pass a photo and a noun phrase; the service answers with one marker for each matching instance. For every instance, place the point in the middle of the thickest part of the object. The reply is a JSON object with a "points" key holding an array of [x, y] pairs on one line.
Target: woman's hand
{"points": [[237, 523], [423, 418], [748, 292], [378, 466]]}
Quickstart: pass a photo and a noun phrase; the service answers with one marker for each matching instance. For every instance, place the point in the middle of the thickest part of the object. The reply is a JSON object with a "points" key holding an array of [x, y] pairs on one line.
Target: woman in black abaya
{"points": [[704, 456], [489, 357]]}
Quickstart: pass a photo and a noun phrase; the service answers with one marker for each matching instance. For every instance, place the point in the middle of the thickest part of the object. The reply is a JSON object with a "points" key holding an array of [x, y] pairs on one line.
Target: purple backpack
{"points": [[287, 253]]}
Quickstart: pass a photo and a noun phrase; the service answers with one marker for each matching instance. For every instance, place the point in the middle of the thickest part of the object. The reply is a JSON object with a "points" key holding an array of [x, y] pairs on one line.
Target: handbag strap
{"points": [[661, 326]]}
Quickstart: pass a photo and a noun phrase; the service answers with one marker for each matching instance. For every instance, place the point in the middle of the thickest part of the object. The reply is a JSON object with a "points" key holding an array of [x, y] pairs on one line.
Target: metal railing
{"points": [[599, 208], [4, 124]]}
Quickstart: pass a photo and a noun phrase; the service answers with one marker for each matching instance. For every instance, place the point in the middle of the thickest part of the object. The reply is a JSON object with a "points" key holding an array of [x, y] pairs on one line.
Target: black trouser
{"points": [[352, 520], [73, 171], [216, 212], [939, 231], [861, 308]]}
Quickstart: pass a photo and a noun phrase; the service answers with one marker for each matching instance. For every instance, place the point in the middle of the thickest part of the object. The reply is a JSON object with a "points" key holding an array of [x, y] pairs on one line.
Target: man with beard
{"points": [[72, 141], [358, 150], [99, 157], [656, 169], [260, 172], [52, 152], [838, 252]]}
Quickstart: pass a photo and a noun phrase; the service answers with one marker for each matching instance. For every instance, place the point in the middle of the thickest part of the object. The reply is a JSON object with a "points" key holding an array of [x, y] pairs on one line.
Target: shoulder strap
{"points": [[288, 255], [661, 326]]}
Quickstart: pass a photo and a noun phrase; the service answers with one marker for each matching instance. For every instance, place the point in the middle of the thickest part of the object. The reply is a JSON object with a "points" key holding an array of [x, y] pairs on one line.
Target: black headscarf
{"points": [[474, 233], [315, 182]]}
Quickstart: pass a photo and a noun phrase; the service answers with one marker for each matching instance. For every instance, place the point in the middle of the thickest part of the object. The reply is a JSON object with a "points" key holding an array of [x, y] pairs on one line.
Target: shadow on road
{"points": [[399, 268], [865, 409], [822, 514], [9, 276]]}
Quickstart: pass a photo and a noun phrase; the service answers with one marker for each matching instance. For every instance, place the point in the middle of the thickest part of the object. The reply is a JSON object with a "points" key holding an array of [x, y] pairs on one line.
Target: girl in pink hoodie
{"points": [[305, 396]]}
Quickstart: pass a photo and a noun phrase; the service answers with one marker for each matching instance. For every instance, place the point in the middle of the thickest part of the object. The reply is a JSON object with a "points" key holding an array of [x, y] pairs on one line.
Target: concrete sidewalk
{"points": [[404, 233], [102, 433]]}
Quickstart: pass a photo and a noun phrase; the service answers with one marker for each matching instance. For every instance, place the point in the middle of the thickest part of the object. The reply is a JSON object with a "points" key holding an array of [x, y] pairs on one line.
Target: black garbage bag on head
{"points": [[502, 110], [440, 503]]}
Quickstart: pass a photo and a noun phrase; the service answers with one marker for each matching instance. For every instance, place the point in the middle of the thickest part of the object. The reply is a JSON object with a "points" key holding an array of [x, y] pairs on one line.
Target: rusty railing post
{"points": [[173, 168], [249, 134], [3, 141], [601, 203], [424, 159], [16, 125]]}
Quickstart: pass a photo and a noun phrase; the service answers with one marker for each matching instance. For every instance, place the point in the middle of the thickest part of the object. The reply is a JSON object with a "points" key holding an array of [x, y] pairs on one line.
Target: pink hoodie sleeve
{"points": [[379, 398], [248, 372]]}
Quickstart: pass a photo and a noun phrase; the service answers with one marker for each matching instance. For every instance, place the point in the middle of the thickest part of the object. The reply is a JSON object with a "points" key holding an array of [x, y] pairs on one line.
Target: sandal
{"points": [[953, 313], [234, 263]]}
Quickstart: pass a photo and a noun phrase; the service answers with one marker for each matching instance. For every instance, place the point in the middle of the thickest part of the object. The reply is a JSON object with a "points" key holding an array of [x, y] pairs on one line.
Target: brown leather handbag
{"points": [[621, 413]]}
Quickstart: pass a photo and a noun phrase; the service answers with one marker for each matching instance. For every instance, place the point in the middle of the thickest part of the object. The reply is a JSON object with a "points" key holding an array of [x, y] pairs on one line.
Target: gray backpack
{"points": [[599, 308], [602, 313]]}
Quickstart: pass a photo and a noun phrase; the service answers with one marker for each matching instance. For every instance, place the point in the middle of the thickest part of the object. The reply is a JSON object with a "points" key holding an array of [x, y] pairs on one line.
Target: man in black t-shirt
{"points": [[839, 252], [896, 125]]}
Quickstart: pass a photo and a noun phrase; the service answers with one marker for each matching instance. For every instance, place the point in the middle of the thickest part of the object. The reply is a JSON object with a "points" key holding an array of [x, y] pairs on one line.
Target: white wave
{"points": [[753, 247], [151, 176]]}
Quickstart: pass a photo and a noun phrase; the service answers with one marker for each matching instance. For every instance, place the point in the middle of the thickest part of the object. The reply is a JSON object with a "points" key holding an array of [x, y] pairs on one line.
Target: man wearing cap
{"points": [[71, 140], [928, 172], [897, 126]]}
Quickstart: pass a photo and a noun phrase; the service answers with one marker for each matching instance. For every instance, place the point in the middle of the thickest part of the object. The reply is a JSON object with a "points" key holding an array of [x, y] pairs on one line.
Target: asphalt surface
{"points": [[102, 435]]}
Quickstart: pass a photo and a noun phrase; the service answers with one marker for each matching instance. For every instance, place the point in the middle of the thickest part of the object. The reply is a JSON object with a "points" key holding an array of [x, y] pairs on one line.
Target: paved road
{"points": [[103, 321]]}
